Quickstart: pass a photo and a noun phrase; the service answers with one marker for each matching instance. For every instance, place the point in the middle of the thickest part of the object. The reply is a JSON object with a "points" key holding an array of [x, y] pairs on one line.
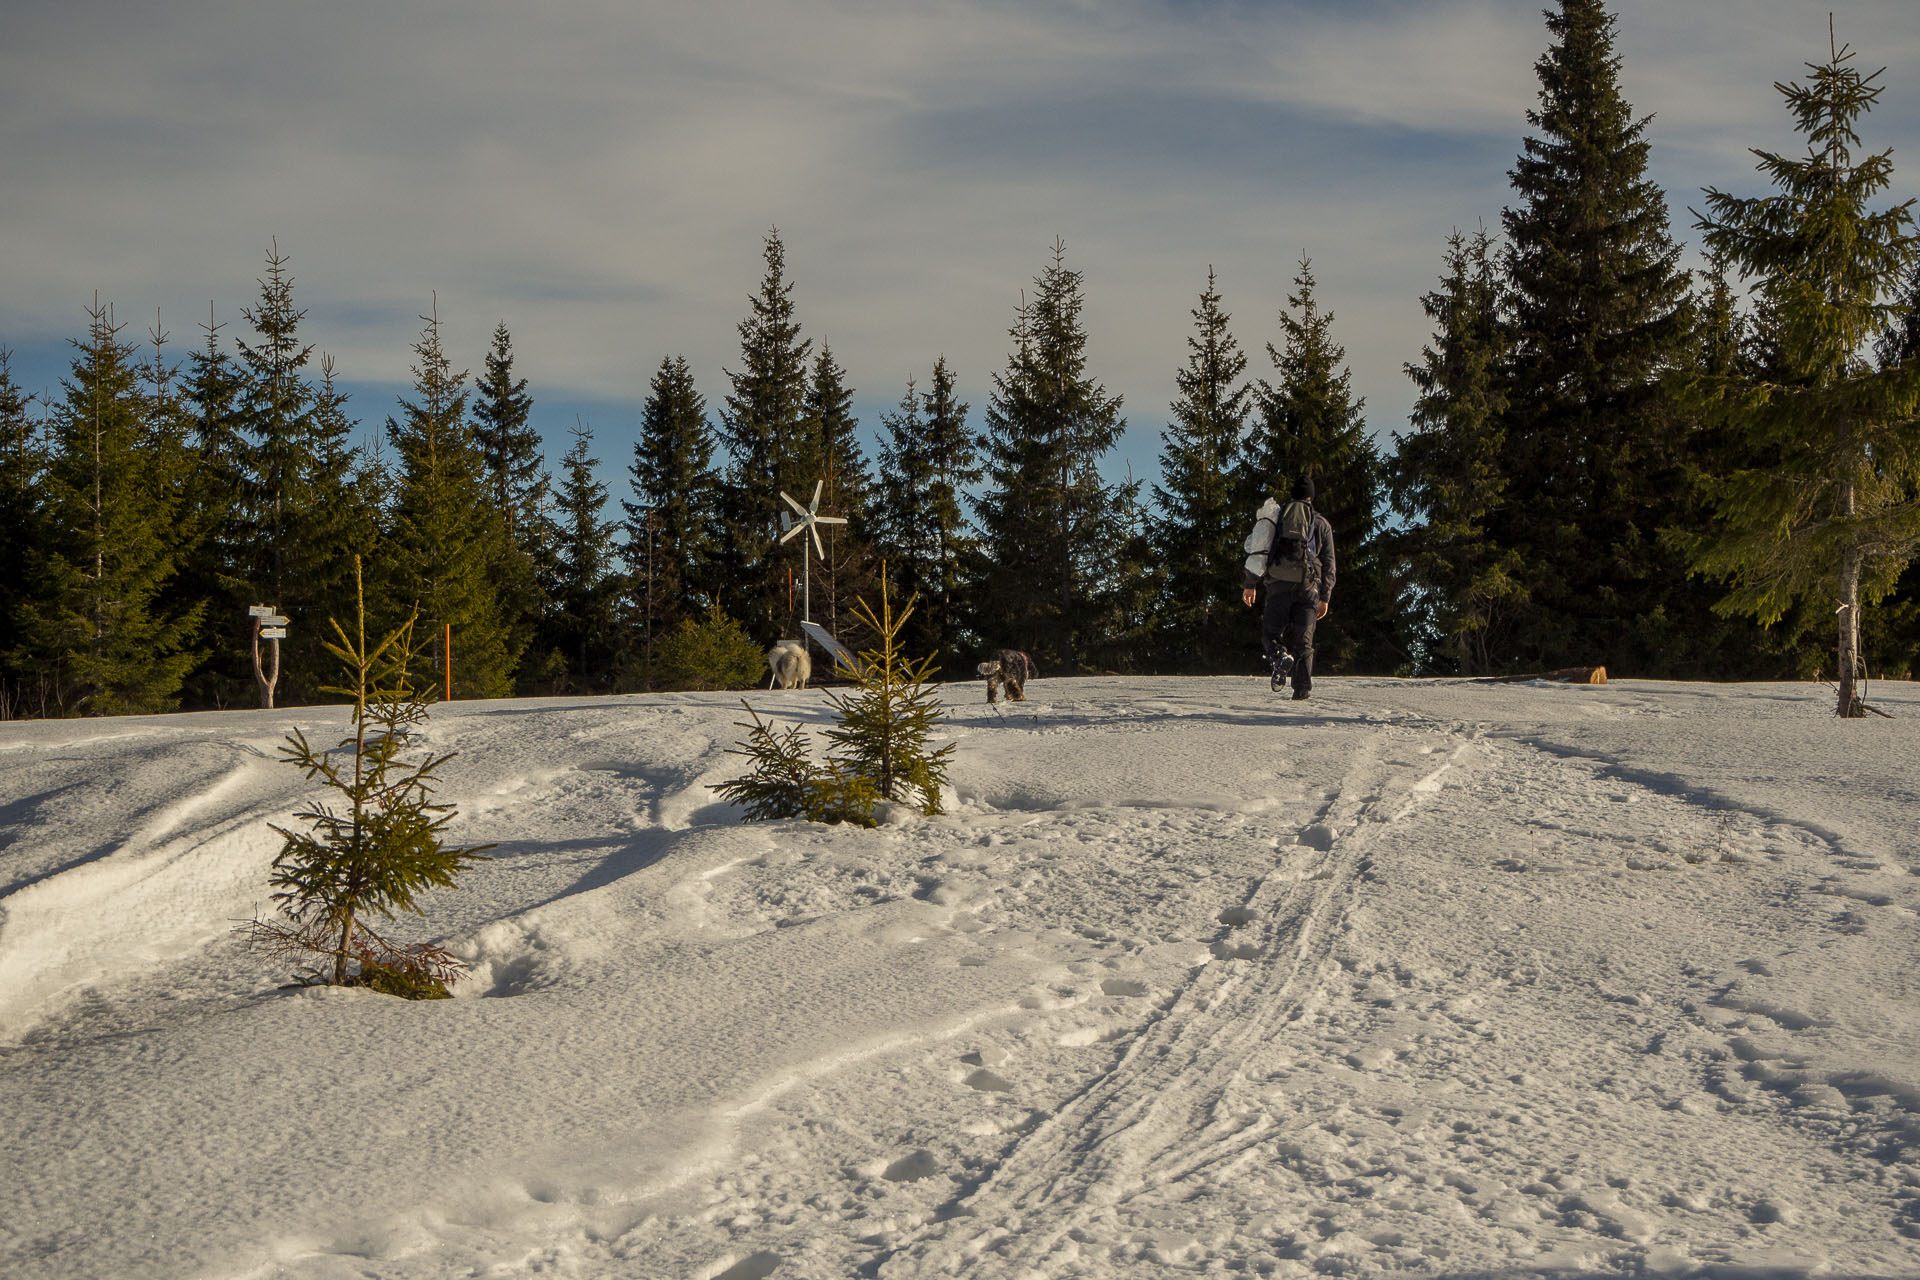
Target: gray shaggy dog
{"points": [[1009, 669], [790, 665]]}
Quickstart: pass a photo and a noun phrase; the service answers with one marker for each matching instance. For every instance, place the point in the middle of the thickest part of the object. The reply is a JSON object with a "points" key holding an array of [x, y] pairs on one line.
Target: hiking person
{"points": [[1290, 552]]}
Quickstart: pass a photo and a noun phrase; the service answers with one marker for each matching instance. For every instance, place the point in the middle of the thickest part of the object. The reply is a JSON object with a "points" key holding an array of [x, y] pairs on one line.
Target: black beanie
{"points": [[1303, 487]]}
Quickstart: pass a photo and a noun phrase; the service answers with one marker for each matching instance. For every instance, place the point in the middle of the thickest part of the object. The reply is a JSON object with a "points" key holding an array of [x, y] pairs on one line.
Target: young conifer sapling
{"points": [[379, 845]]}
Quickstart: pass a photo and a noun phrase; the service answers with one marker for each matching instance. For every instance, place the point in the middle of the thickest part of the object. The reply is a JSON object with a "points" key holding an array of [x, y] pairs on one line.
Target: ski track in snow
{"points": [[1444, 985], [1179, 1101]]}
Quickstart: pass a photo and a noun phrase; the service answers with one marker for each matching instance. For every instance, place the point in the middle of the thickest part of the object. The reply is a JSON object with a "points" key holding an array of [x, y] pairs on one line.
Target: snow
{"points": [[1416, 978]]}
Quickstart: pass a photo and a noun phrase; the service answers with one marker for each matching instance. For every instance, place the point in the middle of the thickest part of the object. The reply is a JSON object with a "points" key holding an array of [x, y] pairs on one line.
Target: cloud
{"points": [[600, 174]]}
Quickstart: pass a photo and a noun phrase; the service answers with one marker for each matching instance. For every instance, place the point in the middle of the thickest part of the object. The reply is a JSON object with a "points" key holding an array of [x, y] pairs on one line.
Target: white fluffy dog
{"points": [[790, 665]]}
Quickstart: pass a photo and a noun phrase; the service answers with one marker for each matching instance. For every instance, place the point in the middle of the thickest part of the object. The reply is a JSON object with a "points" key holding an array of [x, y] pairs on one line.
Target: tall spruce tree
{"points": [[521, 491], [214, 503], [446, 537], [1600, 313], [845, 491], [1309, 423], [296, 542], [952, 454], [903, 536], [509, 444], [674, 525], [1047, 519], [103, 628], [928, 457], [772, 445], [1826, 509], [1197, 531], [1447, 475], [584, 626], [276, 415], [22, 464]]}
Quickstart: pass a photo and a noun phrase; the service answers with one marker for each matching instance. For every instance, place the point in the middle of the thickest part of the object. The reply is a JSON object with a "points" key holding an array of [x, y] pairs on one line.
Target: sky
{"points": [[601, 176]]}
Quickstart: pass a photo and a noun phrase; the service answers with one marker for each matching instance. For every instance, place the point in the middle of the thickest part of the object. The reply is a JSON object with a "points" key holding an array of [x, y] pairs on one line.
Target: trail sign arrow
{"points": [[273, 633], [273, 620]]}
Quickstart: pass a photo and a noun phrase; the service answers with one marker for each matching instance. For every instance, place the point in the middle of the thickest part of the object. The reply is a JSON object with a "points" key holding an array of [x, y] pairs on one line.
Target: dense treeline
{"points": [[1610, 460]]}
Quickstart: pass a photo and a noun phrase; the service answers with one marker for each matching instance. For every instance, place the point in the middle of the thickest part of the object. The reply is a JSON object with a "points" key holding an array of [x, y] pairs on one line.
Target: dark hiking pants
{"points": [[1288, 626]]}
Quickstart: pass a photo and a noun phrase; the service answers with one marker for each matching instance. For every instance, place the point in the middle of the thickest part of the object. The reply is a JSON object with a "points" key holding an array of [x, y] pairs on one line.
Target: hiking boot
{"points": [[1282, 668], [1299, 695]]}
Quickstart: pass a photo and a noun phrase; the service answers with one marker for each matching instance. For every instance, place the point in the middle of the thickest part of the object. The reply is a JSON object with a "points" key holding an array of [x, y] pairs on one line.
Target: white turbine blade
{"points": [[790, 502], [788, 535], [829, 519], [814, 525], [815, 504]]}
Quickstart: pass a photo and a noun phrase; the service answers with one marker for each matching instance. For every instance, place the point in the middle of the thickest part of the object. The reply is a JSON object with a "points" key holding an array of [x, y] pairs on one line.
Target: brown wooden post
{"points": [[446, 648], [264, 679]]}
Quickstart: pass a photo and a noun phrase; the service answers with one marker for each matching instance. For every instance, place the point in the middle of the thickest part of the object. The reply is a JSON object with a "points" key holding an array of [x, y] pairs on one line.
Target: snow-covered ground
{"points": [[1434, 979]]}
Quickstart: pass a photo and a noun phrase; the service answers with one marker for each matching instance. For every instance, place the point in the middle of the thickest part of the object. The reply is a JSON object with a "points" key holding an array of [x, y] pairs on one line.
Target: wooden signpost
{"points": [[268, 625]]}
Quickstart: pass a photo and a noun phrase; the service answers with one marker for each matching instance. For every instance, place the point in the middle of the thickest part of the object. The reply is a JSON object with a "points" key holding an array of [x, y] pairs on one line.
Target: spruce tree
{"points": [[1047, 519], [1728, 349], [1309, 423], [844, 492], [903, 536], [520, 489], [1447, 475], [673, 527], [1197, 532], [22, 464], [584, 627], [1599, 313], [928, 457], [213, 502], [887, 720], [276, 413], [773, 450], [446, 538], [377, 853], [1824, 511], [103, 627], [509, 445], [296, 539], [953, 462]]}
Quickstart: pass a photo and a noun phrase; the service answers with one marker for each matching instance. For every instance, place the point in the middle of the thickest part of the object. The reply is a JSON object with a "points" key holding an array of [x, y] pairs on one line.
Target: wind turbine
{"points": [[809, 519]]}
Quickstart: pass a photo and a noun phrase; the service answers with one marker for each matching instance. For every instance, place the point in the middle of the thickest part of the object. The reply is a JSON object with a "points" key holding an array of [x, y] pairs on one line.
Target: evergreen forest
{"points": [[1612, 459]]}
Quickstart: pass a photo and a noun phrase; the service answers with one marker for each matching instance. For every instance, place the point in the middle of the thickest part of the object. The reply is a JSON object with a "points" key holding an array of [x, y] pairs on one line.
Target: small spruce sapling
{"points": [[888, 721], [881, 744], [382, 847], [786, 783]]}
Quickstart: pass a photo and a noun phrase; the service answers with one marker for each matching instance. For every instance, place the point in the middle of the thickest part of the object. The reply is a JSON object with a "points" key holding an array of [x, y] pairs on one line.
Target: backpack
{"points": [[1290, 556]]}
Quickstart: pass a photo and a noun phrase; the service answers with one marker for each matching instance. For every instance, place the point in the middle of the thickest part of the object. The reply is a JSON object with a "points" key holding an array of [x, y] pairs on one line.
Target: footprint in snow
{"points": [[754, 1267], [1318, 836], [912, 1167]]}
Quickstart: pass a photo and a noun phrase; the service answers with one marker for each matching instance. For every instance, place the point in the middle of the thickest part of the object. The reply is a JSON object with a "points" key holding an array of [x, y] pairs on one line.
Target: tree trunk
{"points": [[1847, 617], [1851, 705], [340, 960]]}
